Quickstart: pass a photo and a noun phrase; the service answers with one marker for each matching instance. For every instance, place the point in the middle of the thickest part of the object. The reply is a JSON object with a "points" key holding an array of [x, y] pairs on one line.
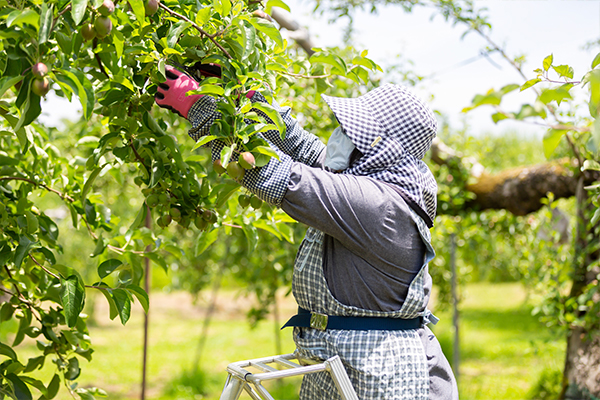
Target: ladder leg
{"points": [[340, 378], [233, 388]]}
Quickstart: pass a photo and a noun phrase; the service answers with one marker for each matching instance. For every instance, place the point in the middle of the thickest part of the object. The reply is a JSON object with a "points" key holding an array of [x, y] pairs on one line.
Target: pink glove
{"points": [[172, 93]]}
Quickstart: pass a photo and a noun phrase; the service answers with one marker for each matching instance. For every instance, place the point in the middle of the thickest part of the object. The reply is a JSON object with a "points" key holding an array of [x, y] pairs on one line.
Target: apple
{"points": [[88, 32], [256, 203], [39, 70], [107, 8], [235, 171], [151, 7], [209, 216], [218, 167], [103, 26], [247, 160], [40, 86]]}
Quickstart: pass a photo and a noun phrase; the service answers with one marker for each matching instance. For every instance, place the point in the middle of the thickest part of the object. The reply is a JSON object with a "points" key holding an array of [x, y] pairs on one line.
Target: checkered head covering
{"points": [[393, 129]]}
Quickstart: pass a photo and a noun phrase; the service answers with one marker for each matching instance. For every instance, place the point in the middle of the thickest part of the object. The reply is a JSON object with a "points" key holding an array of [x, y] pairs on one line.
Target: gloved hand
{"points": [[172, 93]]}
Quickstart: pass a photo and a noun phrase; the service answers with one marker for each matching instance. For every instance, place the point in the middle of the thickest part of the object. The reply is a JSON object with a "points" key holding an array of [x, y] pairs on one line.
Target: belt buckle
{"points": [[318, 321]]}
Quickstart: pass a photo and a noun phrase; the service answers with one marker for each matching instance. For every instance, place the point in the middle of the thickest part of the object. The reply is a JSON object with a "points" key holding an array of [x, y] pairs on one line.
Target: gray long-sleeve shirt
{"points": [[373, 249]]}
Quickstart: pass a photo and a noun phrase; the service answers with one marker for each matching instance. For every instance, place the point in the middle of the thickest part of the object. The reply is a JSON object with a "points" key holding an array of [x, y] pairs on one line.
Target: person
{"points": [[361, 276]]}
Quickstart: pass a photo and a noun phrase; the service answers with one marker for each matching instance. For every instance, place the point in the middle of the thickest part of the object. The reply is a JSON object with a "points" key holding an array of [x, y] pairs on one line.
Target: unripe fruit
{"points": [[218, 167], [247, 160], [88, 32], [164, 198], [175, 213], [235, 171], [103, 26], [244, 200], [256, 203], [107, 8], [200, 223], [166, 219], [40, 86], [39, 70], [151, 6], [152, 200], [209, 216]]}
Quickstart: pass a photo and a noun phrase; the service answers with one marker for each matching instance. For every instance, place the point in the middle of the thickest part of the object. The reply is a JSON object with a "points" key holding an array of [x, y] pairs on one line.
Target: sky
{"points": [[534, 28]]}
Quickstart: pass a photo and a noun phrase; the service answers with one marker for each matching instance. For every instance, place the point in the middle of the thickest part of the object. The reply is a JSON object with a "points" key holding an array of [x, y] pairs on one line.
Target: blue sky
{"points": [[534, 28]]}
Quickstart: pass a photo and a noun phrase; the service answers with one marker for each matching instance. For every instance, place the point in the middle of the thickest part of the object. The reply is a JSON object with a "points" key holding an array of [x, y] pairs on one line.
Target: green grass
{"points": [[504, 350]]}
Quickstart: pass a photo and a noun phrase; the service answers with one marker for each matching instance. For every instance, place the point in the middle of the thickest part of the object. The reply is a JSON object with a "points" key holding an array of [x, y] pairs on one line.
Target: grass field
{"points": [[504, 350]]}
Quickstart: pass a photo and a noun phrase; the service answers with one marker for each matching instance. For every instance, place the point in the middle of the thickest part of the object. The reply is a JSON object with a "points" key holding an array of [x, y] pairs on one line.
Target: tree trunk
{"points": [[581, 378]]}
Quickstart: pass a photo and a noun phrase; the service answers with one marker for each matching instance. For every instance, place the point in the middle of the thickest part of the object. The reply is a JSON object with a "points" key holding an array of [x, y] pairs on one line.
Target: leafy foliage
{"points": [[110, 58]]}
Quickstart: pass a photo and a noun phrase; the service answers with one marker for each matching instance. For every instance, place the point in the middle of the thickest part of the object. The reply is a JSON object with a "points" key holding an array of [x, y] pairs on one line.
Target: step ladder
{"points": [[240, 378]]}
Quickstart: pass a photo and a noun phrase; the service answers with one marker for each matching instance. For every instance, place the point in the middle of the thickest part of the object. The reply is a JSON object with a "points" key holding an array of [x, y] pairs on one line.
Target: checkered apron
{"points": [[381, 364]]}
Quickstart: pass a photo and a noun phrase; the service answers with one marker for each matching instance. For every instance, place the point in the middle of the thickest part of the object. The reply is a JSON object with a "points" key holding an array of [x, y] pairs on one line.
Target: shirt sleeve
{"points": [[365, 215], [301, 145]]}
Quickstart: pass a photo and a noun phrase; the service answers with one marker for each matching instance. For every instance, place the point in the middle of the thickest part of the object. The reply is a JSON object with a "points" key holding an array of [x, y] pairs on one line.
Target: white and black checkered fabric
{"points": [[393, 129], [388, 365], [202, 115]]}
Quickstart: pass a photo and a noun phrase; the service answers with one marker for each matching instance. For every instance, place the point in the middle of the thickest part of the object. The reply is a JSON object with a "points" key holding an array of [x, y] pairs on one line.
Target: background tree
{"points": [[110, 57]]}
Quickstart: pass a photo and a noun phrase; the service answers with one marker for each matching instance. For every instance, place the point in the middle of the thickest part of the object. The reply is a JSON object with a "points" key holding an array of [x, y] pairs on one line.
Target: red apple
{"points": [[39, 70], [107, 8]]}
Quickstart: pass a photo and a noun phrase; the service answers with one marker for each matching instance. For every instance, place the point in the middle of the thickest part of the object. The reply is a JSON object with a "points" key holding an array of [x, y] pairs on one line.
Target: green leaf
{"points": [[558, 94], [273, 115], [31, 110], [78, 8], [106, 292], [590, 165], [223, 7], [208, 89], [267, 28], [175, 32], [249, 39], [73, 369], [596, 61], [6, 350], [338, 64], [89, 182], [276, 3], [45, 22], [564, 71], [548, 62], [138, 10], [23, 249], [108, 267], [268, 151], [203, 16], [140, 218], [596, 217], [20, 17], [204, 140], [73, 298], [53, 387], [530, 83], [141, 295], [123, 304], [251, 235], [205, 239], [20, 389], [7, 82], [551, 140]]}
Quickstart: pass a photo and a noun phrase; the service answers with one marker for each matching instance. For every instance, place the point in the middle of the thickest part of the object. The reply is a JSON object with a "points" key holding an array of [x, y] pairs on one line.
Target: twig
{"points": [[198, 28], [46, 270], [48, 188], [99, 60], [20, 296]]}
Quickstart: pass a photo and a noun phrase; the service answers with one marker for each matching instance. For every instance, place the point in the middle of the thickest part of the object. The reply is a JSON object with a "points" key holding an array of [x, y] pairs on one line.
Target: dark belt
{"points": [[307, 319]]}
